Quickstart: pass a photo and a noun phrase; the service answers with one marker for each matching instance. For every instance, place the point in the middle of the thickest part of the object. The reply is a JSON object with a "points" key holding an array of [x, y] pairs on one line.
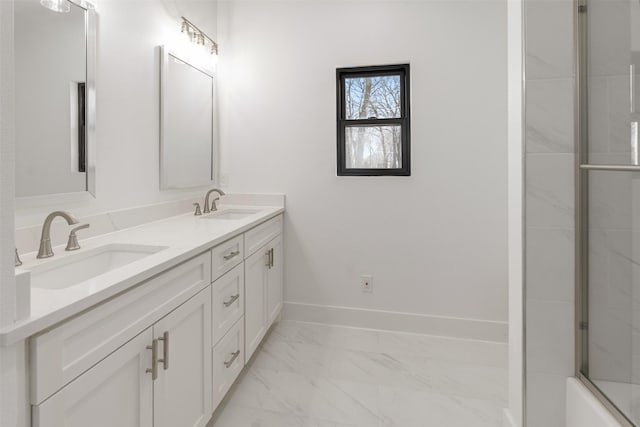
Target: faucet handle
{"points": [[213, 204], [18, 261], [72, 243], [198, 212]]}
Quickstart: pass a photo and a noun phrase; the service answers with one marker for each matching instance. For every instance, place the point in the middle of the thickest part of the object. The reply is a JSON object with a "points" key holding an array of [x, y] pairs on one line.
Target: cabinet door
{"points": [[255, 308], [115, 392], [182, 392], [275, 280]]}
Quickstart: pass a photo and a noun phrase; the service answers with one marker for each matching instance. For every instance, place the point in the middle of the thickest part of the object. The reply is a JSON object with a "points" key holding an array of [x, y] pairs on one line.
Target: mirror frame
{"points": [[91, 31], [89, 193], [165, 52]]}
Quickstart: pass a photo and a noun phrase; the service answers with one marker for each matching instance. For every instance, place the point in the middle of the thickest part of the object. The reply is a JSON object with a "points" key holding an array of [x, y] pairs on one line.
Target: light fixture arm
{"points": [[199, 36]]}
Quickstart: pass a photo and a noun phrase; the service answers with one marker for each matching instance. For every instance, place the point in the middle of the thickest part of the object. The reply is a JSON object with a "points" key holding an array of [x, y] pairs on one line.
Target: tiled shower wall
{"points": [[549, 198]]}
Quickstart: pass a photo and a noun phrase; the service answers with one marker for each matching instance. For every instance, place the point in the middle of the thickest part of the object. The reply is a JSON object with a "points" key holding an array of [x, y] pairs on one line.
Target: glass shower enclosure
{"points": [[608, 204]]}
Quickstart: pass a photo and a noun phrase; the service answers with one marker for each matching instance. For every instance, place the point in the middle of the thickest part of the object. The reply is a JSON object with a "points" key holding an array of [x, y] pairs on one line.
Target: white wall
{"points": [[13, 404], [128, 94], [435, 242], [7, 280]]}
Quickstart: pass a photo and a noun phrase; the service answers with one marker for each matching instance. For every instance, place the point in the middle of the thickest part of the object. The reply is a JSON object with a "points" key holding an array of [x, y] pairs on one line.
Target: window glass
{"points": [[372, 97], [373, 147]]}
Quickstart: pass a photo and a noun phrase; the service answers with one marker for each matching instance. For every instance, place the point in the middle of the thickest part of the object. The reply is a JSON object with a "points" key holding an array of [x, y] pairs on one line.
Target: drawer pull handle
{"points": [[154, 360], [231, 255], [231, 300], [165, 349], [234, 356]]}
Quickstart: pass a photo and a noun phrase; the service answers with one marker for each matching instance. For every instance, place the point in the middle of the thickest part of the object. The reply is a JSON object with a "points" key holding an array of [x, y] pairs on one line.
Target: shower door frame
{"points": [[581, 177]]}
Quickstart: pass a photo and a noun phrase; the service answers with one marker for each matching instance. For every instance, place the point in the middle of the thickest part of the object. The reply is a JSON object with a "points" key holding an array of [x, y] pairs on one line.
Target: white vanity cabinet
{"points": [[165, 352], [159, 378], [263, 282], [97, 369], [61, 354]]}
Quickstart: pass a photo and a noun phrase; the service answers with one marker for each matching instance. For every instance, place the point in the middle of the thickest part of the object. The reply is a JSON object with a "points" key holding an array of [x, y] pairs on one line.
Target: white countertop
{"points": [[185, 236]]}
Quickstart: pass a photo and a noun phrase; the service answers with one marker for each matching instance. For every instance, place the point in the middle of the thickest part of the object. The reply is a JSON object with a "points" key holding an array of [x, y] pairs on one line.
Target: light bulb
{"points": [[61, 6]]}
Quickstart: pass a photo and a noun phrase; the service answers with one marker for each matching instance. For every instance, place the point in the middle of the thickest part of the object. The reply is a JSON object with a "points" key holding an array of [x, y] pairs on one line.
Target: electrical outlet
{"points": [[366, 283]]}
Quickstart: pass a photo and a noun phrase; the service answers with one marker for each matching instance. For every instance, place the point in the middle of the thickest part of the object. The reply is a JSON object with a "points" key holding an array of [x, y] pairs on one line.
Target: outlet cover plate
{"points": [[366, 283]]}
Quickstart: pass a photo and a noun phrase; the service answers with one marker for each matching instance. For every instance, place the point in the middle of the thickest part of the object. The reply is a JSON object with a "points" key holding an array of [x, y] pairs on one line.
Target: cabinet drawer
{"points": [[228, 301], [226, 255], [61, 354], [260, 235], [228, 361]]}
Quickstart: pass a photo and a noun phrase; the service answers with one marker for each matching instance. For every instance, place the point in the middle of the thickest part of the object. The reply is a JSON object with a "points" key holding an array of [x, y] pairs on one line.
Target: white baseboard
{"points": [[507, 419], [485, 330]]}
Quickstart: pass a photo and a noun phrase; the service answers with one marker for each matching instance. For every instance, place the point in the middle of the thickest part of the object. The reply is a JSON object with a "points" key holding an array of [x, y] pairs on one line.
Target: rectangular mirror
{"points": [[54, 97], [187, 124]]}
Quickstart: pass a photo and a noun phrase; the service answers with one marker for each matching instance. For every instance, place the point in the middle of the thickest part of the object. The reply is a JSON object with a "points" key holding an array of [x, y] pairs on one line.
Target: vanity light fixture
{"points": [[61, 6], [196, 35]]}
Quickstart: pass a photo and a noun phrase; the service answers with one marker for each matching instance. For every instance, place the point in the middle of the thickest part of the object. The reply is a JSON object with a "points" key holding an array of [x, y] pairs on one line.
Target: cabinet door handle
{"points": [[234, 356], [272, 257], [165, 350], [154, 360], [231, 255], [231, 300]]}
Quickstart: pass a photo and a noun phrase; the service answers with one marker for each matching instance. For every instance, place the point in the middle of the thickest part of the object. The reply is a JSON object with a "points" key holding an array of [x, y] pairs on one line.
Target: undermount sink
{"points": [[232, 214], [77, 268]]}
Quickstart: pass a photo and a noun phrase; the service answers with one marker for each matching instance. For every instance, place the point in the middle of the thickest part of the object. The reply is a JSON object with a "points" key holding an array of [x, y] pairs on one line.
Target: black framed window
{"points": [[373, 121]]}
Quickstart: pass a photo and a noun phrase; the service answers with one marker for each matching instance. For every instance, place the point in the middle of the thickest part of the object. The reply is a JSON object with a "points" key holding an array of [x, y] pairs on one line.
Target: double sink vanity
{"points": [[150, 325], [145, 324]]}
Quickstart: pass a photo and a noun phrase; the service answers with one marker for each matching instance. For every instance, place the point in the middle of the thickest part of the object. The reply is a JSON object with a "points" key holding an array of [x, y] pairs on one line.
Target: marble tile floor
{"points": [[311, 375]]}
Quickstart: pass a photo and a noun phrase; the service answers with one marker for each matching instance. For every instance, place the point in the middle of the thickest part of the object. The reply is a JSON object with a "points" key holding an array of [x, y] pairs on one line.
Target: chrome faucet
{"points": [[213, 207], [45, 240]]}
